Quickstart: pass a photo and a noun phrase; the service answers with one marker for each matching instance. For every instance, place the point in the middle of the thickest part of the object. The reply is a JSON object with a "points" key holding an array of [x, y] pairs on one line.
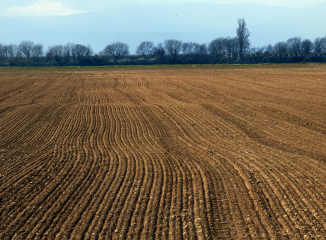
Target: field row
{"points": [[193, 153]]}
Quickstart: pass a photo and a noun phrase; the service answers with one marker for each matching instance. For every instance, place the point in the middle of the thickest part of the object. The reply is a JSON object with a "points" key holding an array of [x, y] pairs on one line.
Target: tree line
{"points": [[237, 49]]}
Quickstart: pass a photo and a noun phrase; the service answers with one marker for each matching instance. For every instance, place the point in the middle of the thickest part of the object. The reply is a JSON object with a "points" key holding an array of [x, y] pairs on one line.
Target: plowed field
{"points": [[164, 153]]}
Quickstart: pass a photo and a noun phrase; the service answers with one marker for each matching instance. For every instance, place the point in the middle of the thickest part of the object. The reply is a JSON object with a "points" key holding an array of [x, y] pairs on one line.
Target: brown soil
{"points": [[186, 152]]}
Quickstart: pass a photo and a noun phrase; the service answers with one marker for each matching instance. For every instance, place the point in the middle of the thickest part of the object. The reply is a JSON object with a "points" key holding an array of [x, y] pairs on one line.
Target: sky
{"points": [[67, 7]]}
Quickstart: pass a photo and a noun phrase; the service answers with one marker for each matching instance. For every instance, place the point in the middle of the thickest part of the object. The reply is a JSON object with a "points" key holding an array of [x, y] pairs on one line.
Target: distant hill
{"points": [[187, 22]]}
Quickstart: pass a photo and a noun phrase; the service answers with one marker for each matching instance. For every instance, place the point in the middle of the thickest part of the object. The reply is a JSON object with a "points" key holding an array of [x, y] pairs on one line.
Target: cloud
{"points": [[42, 8]]}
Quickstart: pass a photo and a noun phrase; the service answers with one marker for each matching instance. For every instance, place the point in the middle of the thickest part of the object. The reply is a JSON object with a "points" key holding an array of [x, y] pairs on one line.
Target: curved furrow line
{"points": [[199, 143], [29, 210], [199, 218], [82, 206], [189, 135], [114, 183], [26, 131], [288, 131], [276, 190], [297, 199], [149, 208], [287, 199], [17, 125], [30, 165], [63, 192], [147, 135], [25, 164], [203, 211], [203, 147], [95, 195], [139, 165], [90, 232], [276, 193], [25, 152], [217, 202], [239, 209], [260, 215], [163, 153], [53, 193], [163, 190], [139, 133], [123, 186], [89, 167], [17, 87], [301, 203], [250, 163], [120, 230], [258, 135]]}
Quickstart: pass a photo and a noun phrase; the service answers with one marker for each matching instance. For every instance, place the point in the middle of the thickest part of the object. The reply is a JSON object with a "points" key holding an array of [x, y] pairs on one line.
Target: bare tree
{"points": [[158, 52], [269, 49], [26, 48], [81, 52], [294, 45], [231, 45], [37, 51], [194, 50], [54, 53], [217, 47], [200, 50], [145, 49], [116, 50], [281, 47], [320, 45], [12, 50], [173, 47], [203, 49], [188, 48], [67, 52], [3, 52], [243, 35], [306, 46]]}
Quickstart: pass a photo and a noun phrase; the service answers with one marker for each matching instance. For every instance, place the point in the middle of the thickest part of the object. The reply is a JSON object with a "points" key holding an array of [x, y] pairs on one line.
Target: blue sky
{"points": [[66, 7]]}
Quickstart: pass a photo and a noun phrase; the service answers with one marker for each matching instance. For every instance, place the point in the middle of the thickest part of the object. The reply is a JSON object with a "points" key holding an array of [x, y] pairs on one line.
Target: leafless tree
{"points": [[281, 47], [145, 49], [188, 48], [243, 35], [173, 47], [12, 51], [217, 47], [116, 50], [231, 45], [203, 49], [294, 45], [324, 44], [67, 52], [26, 48], [37, 51], [54, 53], [81, 51], [3, 52], [258, 50], [269, 49], [320, 45], [194, 50], [306, 46], [158, 52]]}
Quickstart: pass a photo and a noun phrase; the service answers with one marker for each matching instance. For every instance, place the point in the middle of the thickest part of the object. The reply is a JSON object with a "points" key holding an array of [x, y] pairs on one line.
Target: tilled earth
{"points": [[163, 152]]}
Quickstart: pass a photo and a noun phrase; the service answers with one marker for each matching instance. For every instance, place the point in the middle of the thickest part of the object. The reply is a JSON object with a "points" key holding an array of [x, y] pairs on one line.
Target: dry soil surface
{"points": [[163, 152]]}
